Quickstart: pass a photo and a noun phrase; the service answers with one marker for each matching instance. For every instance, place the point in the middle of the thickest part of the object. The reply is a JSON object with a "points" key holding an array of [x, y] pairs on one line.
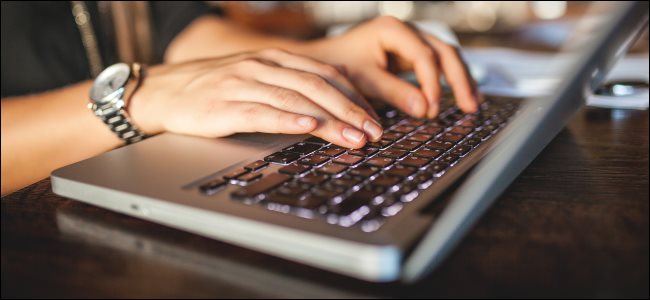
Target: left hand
{"points": [[374, 51]]}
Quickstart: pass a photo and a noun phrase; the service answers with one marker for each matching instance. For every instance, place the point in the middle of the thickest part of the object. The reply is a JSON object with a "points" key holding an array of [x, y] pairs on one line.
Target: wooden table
{"points": [[574, 224]]}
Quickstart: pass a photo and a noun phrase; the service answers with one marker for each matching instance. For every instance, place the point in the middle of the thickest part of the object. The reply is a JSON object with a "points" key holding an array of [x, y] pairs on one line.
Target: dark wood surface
{"points": [[574, 224]]}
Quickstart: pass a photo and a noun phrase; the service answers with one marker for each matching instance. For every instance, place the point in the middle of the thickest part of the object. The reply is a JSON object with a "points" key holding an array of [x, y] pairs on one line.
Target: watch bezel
{"points": [[105, 76]]}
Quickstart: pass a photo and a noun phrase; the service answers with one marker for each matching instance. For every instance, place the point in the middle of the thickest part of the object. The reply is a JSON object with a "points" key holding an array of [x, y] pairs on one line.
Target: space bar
{"points": [[261, 186]]}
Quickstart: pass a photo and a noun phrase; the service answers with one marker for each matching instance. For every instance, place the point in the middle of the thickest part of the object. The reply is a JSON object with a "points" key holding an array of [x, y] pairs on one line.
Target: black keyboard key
{"points": [[422, 178], [363, 171], [461, 130], [307, 202], [348, 159], [234, 174], [469, 123], [461, 150], [380, 162], [381, 144], [451, 137], [316, 140], [437, 168], [294, 169], [407, 145], [365, 151], [428, 153], [385, 181], [249, 177], [331, 151], [472, 141], [355, 201], [393, 153], [256, 165], [413, 122], [449, 158], [295, 190], [263, 185], [392, 136], [400, 171], [346, 181], [442, 145], [313, 178], [212, 186], [419, 137], [483, 134], [331, 169], [431, 129], [314, 160], [415, 161], [328, 192], [282, 157], [302, 148], [403, 129]]}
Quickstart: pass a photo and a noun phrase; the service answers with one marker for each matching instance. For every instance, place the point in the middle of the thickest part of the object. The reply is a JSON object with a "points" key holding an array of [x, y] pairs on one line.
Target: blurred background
{"points": [[539, 25]]}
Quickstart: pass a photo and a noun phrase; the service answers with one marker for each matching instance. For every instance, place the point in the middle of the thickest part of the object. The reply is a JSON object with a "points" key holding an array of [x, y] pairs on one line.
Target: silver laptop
{"points": [[373, 213]]}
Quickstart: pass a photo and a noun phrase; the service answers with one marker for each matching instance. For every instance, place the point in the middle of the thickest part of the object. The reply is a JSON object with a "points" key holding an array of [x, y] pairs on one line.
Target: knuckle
{"points": [[230, 79], [285, 98], [250, 63], [427, 53], [313, 81], [329, 71], [273, 51]]}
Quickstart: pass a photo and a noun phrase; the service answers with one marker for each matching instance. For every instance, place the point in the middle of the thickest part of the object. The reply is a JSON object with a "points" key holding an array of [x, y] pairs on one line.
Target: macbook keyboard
{"points": [[364, 187]]}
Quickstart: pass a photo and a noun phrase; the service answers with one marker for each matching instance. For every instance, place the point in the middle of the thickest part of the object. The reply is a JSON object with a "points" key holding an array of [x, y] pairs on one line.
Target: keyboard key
{"points": [[386, 181], [422, 178], [419, 137], [403, 129], [483, 134], [413, 122], [442, 145], [302, 148], [212, 186], [449, 158], [256, 165], [331, 151], [407, 145], [355, 201], [246, 178], [437, 167], [430, 129], [328, 192], [400, 171], [234, 174], [294, 169], [380, 162], [451, 137], [313, 178], [461, 150], [346, 181], [331, 169], [381, 144], [282, 157], [461, 130], [415, 161], [365, 151], [314, 160], [295, 190], [307, 202], [472, 141], [363, 171], [316, 140], [392, 136], [428, 153], [393, 153], [348, 159], [263, 185]]}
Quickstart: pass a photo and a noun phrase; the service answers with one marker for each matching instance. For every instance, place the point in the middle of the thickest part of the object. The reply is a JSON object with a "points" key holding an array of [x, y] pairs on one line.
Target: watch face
{"points": [[109, 82]]}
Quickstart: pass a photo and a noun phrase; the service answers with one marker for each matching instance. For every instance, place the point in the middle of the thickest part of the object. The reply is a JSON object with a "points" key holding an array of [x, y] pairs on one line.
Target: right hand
{"points": [[265, 91]]}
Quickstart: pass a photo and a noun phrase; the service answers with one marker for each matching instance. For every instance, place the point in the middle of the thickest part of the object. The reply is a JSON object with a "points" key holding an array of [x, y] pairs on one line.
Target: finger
{"points": [[382, 85], [402, 40], [328, 128], [457, 74], [332, 73], [322, 93]]}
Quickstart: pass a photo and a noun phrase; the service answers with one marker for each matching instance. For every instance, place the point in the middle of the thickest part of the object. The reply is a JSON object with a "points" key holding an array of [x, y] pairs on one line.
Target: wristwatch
{"points": [[108, 99]]}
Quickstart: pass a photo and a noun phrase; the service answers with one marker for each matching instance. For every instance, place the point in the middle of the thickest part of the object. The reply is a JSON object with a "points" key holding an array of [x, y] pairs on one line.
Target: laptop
{"points": [[364, 213]]}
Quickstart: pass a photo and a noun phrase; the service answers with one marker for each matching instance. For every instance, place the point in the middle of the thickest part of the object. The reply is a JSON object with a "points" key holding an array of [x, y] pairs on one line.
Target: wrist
{"points": [[140, 106]]}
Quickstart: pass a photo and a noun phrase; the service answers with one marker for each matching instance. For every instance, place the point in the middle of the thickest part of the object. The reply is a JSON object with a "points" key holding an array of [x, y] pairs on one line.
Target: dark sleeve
{"points": [[171, 17]]}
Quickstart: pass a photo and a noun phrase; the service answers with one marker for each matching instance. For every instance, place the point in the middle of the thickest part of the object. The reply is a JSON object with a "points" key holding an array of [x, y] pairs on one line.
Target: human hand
{"points": [[265, 91], [374, 51]]}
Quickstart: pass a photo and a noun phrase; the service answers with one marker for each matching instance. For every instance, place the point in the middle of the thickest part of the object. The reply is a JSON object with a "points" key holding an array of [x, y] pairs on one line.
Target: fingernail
{"points": [[372, 129], [306, 122], [415, 105], [433, 109], [352, 135]]}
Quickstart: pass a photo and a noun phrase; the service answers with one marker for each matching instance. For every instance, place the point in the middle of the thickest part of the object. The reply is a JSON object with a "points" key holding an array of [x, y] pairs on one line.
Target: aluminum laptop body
{"points": [[159, 180]]}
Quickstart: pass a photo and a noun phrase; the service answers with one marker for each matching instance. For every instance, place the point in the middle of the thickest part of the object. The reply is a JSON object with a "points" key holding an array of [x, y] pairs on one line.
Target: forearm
{"points": [[210, 36], [43, 132]]}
